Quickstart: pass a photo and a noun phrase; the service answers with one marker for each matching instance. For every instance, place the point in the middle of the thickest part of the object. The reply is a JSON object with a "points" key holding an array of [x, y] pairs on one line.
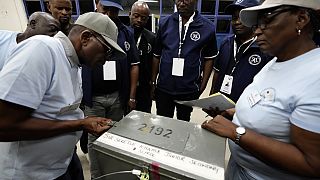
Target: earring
{"points": [[299, 31]]}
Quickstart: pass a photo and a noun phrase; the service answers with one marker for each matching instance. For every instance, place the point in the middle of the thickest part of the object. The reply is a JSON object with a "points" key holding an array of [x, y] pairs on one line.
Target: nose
{"points": [[139, 19], [237, 21], [256, 30], [64, 11]]}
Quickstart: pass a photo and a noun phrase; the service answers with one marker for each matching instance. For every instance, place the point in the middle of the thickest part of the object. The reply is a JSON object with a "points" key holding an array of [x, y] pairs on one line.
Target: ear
{"points": [[33, 24], [303, 19], [49, 7], [85, 37]]}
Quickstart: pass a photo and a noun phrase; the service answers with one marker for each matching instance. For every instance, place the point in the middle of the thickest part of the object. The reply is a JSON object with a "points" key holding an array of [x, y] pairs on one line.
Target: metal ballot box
{"points": [[162, 148]]}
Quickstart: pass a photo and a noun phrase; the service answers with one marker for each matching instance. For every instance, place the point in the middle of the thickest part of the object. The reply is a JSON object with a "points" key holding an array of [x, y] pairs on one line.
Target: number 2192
{"points": [[156, 130]]}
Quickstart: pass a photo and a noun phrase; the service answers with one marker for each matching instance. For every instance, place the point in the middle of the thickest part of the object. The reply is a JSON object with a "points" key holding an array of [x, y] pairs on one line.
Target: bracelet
{"points": [[132, 100]]}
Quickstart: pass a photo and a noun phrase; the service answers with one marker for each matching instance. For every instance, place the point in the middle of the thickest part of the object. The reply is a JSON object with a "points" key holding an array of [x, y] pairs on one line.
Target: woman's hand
{"points": [[214, 112], [221, 126]]}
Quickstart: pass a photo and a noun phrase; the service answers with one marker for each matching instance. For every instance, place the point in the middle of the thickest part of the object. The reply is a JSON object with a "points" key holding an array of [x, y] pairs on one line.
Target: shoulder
{"points": [[148, 34], [126, 31], [228, 39], [6, 35], [40, 46], [205, 21], [166, 19]]}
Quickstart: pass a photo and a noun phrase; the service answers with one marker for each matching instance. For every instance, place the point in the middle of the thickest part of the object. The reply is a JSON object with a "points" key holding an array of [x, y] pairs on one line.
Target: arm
{"points": [[207, 70], [214, 80], [134, 75], [301, 156], [17, 123], [154, 74]]}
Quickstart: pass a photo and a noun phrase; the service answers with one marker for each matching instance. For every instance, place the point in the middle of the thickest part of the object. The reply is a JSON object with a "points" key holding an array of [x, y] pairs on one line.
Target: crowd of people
{"points": [[97, 69]]}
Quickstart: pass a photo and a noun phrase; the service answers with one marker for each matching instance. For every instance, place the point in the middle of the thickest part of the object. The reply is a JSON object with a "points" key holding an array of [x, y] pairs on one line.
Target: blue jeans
{"points": [[107, 106]]}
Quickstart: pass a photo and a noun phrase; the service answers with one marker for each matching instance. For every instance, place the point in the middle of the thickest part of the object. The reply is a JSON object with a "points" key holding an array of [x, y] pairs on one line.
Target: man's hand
{"points": [[132, 104], [96, 125]]}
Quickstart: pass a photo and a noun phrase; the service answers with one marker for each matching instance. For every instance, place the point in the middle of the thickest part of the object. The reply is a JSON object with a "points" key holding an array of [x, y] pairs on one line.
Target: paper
{"points": [[216, 100], [109, 70], [177, 66]]}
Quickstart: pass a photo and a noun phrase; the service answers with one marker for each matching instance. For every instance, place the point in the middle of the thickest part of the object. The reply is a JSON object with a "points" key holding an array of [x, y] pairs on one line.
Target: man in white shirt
{"points": [[40, 94]]}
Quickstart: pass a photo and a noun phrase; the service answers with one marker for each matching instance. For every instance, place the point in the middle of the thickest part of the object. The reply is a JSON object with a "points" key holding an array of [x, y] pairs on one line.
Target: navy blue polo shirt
{"points": [[199, 45], [250, 61]]}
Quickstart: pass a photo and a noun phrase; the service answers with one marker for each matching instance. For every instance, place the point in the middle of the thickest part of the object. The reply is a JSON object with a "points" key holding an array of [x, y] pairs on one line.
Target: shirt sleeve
{"points": [[210, 50], [27, 74], [133, 54], [306, 114], [216, 63], [157, 43]]}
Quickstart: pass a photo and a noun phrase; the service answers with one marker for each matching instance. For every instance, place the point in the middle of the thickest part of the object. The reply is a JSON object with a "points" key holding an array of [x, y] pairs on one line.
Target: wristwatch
{"points": [[240, 131]]}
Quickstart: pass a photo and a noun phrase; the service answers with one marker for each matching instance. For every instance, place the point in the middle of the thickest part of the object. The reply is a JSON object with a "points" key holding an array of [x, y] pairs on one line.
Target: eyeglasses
{"points": [[107, 47], [266, 18]]}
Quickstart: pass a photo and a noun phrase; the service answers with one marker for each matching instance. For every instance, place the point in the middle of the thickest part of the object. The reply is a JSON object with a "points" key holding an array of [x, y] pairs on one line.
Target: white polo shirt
{"points": [[7, 43], [289, 93], [42, 74]]}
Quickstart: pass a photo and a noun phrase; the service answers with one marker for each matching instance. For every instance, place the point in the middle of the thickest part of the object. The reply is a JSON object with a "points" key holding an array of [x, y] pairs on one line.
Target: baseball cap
{"points": [[112, 3], [248, 16], [241, 4], [104, 26]]}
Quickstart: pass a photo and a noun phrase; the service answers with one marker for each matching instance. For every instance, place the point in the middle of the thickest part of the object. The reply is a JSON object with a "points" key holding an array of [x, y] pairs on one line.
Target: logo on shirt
{"points": [[195, 36], [238, 1], [126, 45], [254, 59], [149, 47]]}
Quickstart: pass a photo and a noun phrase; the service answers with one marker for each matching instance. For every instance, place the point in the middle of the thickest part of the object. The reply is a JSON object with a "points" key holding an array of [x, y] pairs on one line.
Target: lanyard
{"points": [[138, 41], [236, 51], [183, 38]]}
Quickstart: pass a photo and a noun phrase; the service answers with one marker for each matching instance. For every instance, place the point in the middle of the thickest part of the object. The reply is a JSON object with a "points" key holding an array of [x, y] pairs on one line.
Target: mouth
{"points": [[65, 19], [137, 26], [238, 29], [260, 42]]}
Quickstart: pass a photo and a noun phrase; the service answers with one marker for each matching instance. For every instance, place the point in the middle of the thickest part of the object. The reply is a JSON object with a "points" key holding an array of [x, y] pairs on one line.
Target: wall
{"points": [[12, 15]]}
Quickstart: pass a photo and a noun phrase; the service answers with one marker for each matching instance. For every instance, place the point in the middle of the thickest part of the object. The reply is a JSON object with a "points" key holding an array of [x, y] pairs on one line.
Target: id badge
{"points": [[71, 107], [109, 70], [177, 66], [226, 86], [254, 98]]}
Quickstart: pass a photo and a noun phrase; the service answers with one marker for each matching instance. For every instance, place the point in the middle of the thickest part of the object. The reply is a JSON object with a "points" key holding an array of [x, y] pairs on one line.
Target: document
{"points": [[216, 100]]}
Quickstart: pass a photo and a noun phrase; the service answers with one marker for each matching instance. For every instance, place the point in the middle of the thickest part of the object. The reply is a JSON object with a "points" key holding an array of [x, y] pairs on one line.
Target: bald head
{"points": [[40, 23], [139, 15], [140, 5]]}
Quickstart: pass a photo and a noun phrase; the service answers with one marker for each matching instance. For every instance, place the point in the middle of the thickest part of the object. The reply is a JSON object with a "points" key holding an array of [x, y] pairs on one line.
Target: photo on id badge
{"points": [[227, 84]]}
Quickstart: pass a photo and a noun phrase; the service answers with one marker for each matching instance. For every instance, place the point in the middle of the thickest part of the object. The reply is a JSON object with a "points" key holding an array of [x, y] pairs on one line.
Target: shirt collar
{"points": [[196, 18], [68, 48]]}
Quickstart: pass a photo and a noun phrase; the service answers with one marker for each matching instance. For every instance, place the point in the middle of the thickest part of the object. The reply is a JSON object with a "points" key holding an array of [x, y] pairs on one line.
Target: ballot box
{"points": [[160, 148]]}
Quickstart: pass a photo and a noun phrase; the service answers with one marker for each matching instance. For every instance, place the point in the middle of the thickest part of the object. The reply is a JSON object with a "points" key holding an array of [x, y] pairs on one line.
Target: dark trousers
{"points": [[74, 171], [166, 105], [143, 98]]}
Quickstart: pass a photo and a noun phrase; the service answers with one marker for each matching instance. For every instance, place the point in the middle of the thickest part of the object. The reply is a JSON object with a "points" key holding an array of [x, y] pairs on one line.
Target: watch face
{"points": [[240, 130]]}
